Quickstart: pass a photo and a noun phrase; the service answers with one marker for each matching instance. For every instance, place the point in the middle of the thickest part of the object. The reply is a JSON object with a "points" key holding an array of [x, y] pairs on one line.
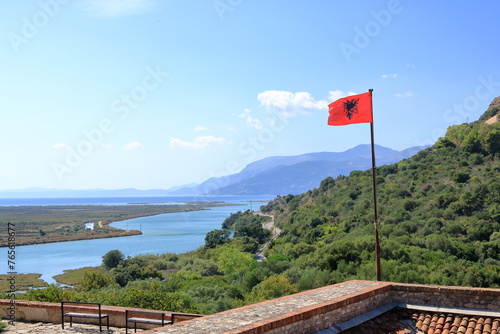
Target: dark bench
{"points": [[82, 310], [145, 317]]}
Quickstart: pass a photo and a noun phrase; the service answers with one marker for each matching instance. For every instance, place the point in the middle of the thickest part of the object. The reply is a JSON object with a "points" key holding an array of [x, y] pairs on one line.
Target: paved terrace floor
{"points": [[49, 328]]}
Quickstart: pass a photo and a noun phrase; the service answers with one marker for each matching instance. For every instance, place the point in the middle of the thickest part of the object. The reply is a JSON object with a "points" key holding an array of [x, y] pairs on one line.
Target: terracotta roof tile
{"points": [[403, 321]]}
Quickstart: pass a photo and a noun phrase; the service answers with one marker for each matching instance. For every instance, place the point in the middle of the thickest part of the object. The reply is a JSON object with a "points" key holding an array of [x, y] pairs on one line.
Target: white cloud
{"points": [[251, 121], [245, 113], [60, 146], [254, 123], [290, 104], [334, 95], [132, 146], [385, 76], [403, 95], [115, 8], [200, 128], [198, 143]]}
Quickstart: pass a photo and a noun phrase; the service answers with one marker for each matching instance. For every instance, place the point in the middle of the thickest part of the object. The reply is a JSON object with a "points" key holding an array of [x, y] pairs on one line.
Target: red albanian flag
{"points": [[351, 109]]}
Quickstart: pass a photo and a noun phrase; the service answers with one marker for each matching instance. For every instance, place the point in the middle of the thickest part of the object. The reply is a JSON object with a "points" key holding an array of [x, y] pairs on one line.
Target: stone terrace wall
{"points": [[302, 313], [305, 312], [447, 296], [340, 308], [32, 311]]}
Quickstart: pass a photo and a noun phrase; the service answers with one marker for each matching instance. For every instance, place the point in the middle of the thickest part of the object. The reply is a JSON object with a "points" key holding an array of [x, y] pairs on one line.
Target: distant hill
{"points": [[491, 115], [281, 175]]}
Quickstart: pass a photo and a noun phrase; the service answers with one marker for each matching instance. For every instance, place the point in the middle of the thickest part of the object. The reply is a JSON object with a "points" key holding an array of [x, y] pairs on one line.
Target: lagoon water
{"points": [[170, 232]]}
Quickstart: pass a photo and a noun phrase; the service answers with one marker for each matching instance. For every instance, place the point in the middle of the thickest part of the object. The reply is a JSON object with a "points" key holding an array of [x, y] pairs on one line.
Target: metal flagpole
{"points": [[374, 179]]}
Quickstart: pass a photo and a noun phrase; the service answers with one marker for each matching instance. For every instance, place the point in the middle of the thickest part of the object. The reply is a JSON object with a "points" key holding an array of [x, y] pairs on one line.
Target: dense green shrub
{"points": [[112, 258]]}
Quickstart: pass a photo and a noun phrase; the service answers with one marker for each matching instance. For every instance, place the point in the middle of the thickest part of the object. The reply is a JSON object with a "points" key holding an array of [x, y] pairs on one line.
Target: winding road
{"points": [[275, 233]]}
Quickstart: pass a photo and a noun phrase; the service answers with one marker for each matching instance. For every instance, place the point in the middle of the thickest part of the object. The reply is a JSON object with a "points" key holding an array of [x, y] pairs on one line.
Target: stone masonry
{"points": [[302, 313]]}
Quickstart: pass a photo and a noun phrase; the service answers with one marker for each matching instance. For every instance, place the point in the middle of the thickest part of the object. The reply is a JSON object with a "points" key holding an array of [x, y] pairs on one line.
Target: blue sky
{"points": [[159, 93]]}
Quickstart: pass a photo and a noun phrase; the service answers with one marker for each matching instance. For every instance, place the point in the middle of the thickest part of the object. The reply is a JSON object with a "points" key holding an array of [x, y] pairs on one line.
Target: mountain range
{"points": [[276, 175], [282, 175]]}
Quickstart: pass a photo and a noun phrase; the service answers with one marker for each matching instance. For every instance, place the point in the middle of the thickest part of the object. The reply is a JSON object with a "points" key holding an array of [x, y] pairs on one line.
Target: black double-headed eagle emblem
{"points": [[351, 107]]}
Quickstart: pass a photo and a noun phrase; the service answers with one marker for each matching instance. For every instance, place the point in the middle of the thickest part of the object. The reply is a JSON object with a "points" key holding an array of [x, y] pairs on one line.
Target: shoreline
{"points": [[126, 233], [100, 217], [107, 231]]}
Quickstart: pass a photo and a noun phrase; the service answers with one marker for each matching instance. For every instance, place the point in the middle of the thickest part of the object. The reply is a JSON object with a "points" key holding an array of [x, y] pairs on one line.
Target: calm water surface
{"points": [[171, 232]]}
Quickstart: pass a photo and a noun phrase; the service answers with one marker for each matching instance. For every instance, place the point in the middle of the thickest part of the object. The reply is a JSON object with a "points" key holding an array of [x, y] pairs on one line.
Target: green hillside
{"points": [[439, 214]]}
